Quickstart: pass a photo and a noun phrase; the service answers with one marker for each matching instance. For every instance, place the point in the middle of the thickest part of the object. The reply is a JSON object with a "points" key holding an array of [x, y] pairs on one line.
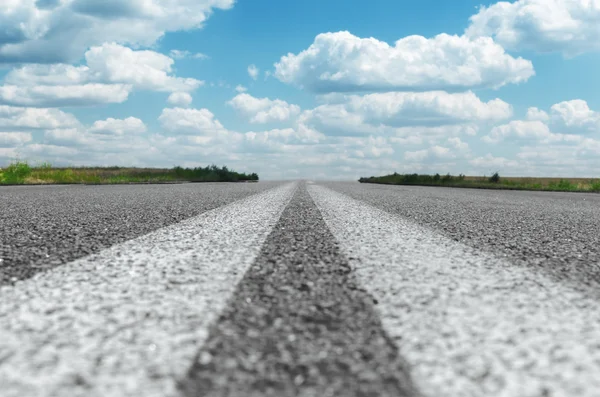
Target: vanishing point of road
{"points": [[298, 289]]}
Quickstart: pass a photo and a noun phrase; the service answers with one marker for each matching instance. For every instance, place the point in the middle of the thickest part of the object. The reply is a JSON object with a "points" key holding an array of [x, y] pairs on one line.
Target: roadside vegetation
{"points": [[21, 172], [491, 182]]}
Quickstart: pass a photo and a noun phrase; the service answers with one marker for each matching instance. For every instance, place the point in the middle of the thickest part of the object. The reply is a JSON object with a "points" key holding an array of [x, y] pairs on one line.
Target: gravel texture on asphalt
{"points": [[128, 320], [469, 323], [42, 227], [299, 324], [555, 233]]}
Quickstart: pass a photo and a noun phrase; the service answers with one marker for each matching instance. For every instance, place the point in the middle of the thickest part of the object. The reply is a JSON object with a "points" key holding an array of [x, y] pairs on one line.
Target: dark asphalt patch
{"points": [[299, 324], [42, 227]]}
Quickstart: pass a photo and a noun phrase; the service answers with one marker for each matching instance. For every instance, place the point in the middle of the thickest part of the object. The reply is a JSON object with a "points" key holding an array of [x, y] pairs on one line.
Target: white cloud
{"points": [[567, 26], [111, 73], [568, 121], [300, 134], [190, 121], [7, 155], [181, 99], [342, 62], [409, 140], [371, 147], [253, 71], [388, 113], [435, 133], [264, 110], [577, 115], [535, 114], [458, 144], [61, 95], [487, 162], [241, 88], [418, 155], [13, 139], [537, 130], [145, 70], [184, 54], [110, 126], [61, 31], [198, 125], [434, 153], [47, 150], [34, 118], [427, 108]]}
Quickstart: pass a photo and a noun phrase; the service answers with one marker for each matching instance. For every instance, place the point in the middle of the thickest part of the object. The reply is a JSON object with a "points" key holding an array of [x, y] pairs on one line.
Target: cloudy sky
{"points": [[304, 89]]}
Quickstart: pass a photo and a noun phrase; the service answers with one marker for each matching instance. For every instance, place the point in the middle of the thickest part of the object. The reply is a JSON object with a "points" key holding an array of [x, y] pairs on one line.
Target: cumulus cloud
{"points": [[433, 153], [184, 54], [61, 95], [382, 113], [110, 126], [181, 99], [342, 62], [241, 88], [264, 110], [60, 31], [427, 108], [567, 121], [253, 71], [109, 63], [487, 162], [375, 147], [576, 115], [70, 137], [458, 144], [49, 150], [200, 126], [519, 129], [570, 27], [299, 134], [111, 73], [146, 70], [34, 118], [14, 139], [535, 114]]}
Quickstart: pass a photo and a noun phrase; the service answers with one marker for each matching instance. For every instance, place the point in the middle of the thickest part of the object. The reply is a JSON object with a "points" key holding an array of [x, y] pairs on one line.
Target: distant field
{"points": [[22, 173], [493, 182]]}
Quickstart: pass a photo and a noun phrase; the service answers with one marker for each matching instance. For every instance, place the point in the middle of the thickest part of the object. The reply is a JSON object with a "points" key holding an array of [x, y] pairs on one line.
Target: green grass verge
{"points": [[493, 182], [21, 172]]}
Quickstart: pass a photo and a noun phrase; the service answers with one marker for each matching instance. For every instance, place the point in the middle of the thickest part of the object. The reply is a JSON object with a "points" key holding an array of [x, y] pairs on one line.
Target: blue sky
{"points": [[338, 89]]}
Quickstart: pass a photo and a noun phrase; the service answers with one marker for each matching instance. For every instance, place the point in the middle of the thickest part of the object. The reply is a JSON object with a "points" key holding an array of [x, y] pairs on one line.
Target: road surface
{"points": [[298, 289]]}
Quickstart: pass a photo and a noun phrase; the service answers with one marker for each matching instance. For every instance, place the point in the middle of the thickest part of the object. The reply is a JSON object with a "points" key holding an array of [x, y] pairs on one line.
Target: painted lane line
{"points": [[298, 325], [128, 320], [470, 323]]}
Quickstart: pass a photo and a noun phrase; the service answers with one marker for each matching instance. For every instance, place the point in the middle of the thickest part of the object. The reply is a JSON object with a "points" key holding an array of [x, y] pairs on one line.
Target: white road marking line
{"points": [[129, 320], [470, 323]]}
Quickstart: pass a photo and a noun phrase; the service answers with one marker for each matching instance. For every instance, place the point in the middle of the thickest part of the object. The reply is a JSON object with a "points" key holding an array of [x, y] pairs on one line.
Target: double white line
{"points": [[128, 320], [469, 323]]}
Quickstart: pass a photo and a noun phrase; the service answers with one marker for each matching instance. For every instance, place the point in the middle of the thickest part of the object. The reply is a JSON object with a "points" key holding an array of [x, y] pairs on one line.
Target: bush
{"points": [[16, 173], [212, 174], [495, 178], [562, 185]]}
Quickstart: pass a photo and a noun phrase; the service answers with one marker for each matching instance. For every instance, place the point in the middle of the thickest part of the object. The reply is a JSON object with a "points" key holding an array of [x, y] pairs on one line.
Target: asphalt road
{"points": [[298, 289], [552, 232], [45, 226]]}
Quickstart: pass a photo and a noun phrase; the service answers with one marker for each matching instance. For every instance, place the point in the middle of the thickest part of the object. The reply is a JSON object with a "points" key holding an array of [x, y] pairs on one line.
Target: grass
{"points": [[21, 172], [493, 182]]}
